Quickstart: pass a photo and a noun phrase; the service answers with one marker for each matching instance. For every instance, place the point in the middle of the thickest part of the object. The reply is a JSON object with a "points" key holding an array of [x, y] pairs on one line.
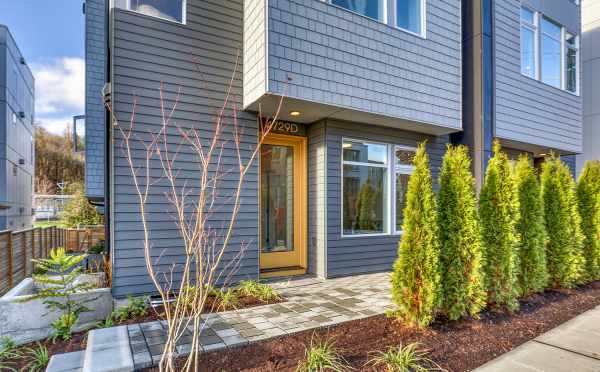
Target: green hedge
{"points": [[588, 195]]}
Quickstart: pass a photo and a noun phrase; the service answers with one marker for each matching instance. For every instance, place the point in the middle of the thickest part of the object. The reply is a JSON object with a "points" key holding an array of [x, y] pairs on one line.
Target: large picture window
{"points": [[364, 188], [374, 184], [408, 15]]}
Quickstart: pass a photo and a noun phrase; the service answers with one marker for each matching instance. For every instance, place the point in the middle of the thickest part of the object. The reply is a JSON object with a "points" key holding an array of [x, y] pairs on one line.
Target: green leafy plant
{"points": [[79, 211], [108, 322], [97, 248], [58, 290], [563, 224], [416, 277], [136, 306], [37, 358], [322, 356], [407, 358], [460, 238], [588, 195], [262, 291], [8, 354], [533, 273], [498, 213], [227, 299]]}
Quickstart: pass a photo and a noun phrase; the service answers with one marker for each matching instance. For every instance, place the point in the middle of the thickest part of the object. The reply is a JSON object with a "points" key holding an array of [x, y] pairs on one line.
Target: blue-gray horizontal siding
{"points": [[365, 254], [95, 77], [199, 59], [323, 53], [527, 110]]}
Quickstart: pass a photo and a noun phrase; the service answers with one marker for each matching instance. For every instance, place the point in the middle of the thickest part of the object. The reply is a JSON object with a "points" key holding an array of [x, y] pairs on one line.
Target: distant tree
{"points": [[588, 195], [460, 237], [55, 161], [416, 277], [533, 273], [365, 205], [79, 211], [563, 224], [498, 213]]}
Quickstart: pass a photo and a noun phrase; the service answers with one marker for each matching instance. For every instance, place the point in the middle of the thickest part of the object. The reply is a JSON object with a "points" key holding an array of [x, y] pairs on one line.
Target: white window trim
{"points": [[389, 16], [400, 169], [390, 186], [183, 10]]}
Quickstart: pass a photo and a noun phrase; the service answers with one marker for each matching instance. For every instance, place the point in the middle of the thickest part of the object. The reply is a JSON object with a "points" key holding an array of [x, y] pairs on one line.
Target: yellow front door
{"points": [[283, 199]]}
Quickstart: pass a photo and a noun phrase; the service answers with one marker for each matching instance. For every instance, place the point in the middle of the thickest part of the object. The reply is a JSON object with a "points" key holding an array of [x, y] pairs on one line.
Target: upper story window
{"points": [[548, 52], [171, 10], [528, 43], [408, 15]]}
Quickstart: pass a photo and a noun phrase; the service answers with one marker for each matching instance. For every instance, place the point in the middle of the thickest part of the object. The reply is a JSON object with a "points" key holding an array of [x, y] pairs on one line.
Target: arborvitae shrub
{"points": [[416, 278], [460, 244], [588, 195], [498, 212], [533, 274], [563, 224]]}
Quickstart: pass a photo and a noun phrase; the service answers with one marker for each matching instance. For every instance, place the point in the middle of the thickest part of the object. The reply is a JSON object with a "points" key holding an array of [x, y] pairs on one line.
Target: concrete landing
{"points": [[572, 346]]}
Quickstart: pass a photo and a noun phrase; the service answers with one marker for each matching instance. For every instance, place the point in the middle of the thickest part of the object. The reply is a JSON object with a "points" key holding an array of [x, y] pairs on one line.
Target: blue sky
{"points": [[50, 34]]}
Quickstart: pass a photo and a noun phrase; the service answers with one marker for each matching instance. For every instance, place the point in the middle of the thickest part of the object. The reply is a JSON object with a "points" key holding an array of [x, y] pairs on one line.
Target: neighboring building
{"points": [[364, 83], [17, 160], [590, 60]]}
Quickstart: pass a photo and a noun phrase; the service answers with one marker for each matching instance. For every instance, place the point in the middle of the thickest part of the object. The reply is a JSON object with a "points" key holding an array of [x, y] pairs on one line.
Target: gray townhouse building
{"points": [[363, 81], [17, 147]]}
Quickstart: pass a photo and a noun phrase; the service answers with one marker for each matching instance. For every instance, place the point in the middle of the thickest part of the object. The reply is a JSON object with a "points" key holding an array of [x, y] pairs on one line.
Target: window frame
{"points": [[183, 13], [535, 27], [400, 169], [389, 16], [389, 201], [576, 48]]}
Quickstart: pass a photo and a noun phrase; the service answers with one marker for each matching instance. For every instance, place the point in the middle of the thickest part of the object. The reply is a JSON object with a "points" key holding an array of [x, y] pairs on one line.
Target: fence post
{"points": [[32, 249], [9, 255], [24, 252]]}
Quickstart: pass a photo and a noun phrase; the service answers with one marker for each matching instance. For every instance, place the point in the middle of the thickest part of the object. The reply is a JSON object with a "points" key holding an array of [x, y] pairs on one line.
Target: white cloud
{"points": [[60, 87], [54, 125]]}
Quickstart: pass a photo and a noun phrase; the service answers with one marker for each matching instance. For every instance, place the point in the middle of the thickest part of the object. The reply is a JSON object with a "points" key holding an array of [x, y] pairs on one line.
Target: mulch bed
{"points": [[456, 346]]}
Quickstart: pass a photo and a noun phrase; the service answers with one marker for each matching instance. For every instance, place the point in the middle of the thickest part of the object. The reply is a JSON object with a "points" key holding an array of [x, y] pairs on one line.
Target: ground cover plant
{"points": [[321, 356], [409, 358], [416, 275], [498, 213]]}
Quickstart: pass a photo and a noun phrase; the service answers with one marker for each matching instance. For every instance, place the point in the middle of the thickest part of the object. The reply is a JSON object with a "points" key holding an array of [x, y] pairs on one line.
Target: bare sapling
{"points": [[193, 201]]}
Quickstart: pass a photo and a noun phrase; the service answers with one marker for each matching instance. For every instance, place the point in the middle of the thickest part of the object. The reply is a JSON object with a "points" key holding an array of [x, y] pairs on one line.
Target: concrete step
{"points": [[108, 350], [67, 362]]}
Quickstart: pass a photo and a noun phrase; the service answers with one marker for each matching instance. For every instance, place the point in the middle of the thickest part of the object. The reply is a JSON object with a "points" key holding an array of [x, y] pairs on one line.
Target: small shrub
{"points": [[498, 212], [37, 358], [227, 299], [416, 277], [404, 359], [263, 292], [61, 285], [588, 195], [97, 248], [563, 224], [136, 306], [8, 354], [322, 356], [533, 273], [460, 239]]}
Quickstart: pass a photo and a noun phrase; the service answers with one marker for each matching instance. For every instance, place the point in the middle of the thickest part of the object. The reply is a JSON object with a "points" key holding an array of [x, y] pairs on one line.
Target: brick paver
{"points": [[309, 303]]}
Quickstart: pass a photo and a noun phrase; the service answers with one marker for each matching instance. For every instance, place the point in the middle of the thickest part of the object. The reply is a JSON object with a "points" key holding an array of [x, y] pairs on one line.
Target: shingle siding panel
{"points": [[527, 110], [198, 59]]}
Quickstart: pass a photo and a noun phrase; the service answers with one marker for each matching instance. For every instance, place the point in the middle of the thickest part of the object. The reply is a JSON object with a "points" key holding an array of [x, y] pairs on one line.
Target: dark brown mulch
{"points": [[77, 342], [456, 346]]}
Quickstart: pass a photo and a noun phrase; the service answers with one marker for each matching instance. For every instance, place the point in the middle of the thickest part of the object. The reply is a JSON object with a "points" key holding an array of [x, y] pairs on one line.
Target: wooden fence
{"points": [[18, 248]]}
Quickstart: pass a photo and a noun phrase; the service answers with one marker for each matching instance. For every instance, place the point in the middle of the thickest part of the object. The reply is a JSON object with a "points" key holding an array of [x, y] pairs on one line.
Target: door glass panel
{"points": [[277, 198]]}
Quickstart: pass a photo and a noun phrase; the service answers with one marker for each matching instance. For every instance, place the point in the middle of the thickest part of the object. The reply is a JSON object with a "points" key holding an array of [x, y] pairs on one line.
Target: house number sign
{"points": [[286, 127]]}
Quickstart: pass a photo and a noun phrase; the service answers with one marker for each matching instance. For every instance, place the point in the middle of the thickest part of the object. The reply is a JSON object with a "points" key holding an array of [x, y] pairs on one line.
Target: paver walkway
{"points": [[571, 347], [310, 303]]}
